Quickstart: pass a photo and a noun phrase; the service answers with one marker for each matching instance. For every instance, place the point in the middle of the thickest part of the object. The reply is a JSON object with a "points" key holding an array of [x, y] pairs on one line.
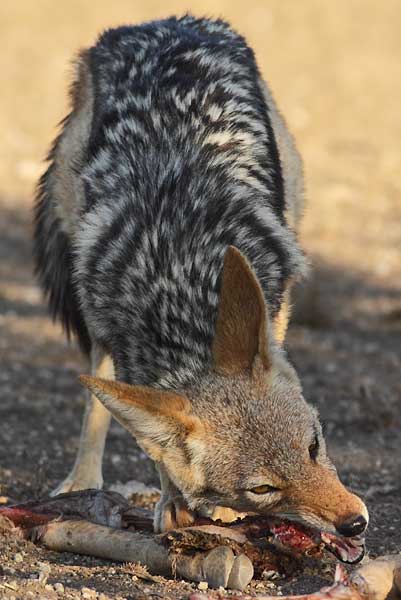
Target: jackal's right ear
{"points": [[242, 319], [156, 418]]}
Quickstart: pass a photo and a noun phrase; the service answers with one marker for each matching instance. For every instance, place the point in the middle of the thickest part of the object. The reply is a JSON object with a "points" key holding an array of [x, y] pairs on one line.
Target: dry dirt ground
{"points": [[335, 69]]}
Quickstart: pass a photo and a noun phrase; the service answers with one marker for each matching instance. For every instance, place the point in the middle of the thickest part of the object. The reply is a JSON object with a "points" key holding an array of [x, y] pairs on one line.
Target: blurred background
{"points": [[335, 70]]}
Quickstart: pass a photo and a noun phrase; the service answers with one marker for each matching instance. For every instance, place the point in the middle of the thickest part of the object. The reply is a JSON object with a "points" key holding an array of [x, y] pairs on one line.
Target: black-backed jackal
{"points": [[166, 242]]}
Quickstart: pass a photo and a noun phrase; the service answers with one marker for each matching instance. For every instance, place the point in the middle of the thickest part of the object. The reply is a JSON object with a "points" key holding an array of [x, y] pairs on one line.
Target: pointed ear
{"points": [[156, 418], [241, 327]]}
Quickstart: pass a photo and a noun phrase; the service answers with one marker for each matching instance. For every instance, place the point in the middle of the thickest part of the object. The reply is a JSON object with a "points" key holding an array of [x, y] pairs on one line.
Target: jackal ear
{"points": [[242, 319], [156, 418]]}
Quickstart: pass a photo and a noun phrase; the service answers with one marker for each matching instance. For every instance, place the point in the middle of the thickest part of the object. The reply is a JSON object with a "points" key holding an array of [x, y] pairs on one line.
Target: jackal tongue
{"points": [[348, 550]]}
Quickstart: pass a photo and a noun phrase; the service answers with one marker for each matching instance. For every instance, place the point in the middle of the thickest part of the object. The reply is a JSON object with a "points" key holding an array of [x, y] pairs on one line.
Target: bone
{"points": [[372, 581], [379, 576], [241, 573], [82, 537], [77, 522], [86, 523], [214, 566]]}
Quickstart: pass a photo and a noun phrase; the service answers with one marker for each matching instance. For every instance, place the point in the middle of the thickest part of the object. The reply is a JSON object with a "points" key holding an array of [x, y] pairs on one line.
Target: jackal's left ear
{"points": [[156, 418], [242, 319]]}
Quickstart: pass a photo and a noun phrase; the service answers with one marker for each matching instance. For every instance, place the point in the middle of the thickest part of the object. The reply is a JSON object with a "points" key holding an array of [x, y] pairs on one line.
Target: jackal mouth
{"points": [[301, 537], [348, 550]]}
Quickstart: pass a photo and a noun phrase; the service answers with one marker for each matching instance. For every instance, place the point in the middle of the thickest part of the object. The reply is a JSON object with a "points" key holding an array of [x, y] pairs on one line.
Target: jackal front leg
{"points": [[172, 510], [87, 470]]}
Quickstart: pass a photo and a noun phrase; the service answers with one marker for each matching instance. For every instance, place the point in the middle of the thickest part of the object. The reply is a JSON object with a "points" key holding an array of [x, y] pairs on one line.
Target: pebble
{"points": [[203, 585], [59, 588], [43, 575], [18, 557], [270, 575], [88, 593]]}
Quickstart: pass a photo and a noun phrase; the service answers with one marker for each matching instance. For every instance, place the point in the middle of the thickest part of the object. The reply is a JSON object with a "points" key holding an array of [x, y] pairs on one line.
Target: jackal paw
{"points": [[172, 512], [76, 482]]}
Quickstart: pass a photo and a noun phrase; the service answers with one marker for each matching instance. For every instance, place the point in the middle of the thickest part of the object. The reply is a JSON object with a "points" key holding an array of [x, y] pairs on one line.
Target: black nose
{"points": [[353, 526]]}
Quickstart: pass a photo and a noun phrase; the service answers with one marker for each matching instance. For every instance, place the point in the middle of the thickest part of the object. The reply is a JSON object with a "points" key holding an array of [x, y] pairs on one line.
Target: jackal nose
{"points": [[353, 526]]}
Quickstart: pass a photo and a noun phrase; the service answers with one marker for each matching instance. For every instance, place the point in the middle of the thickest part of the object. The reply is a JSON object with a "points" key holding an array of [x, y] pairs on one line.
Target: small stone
{"points": [[43, 575], [88, 593], [270, 575], [18, 557], [269, 585], [134, 578], [59, 588], [203, 585]]}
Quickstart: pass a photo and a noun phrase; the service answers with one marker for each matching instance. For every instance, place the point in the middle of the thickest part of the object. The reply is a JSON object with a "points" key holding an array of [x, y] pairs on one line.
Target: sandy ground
{"points": [[336, 72]]}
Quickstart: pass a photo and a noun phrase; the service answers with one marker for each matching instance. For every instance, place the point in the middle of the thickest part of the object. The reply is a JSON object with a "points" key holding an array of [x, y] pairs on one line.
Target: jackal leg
{"points": [[87, 470], [171, 511]]}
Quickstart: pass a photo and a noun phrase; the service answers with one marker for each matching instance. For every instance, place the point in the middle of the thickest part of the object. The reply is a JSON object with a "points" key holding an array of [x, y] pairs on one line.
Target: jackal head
{"points": [[243, 437]]}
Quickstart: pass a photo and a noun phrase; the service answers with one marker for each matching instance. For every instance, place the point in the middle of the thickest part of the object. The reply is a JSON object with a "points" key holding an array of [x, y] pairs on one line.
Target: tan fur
{"points": [[67, 188], [152, 416], [291, 162], [241, 331], [171, 511], [87, 470], [150, 400], [243, 424], [322, 494], [280, 323]]}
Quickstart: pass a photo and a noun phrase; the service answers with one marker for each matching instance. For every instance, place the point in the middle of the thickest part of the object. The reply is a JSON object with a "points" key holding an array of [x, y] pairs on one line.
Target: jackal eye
{"points": [[314, 448], [264, 489]]}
